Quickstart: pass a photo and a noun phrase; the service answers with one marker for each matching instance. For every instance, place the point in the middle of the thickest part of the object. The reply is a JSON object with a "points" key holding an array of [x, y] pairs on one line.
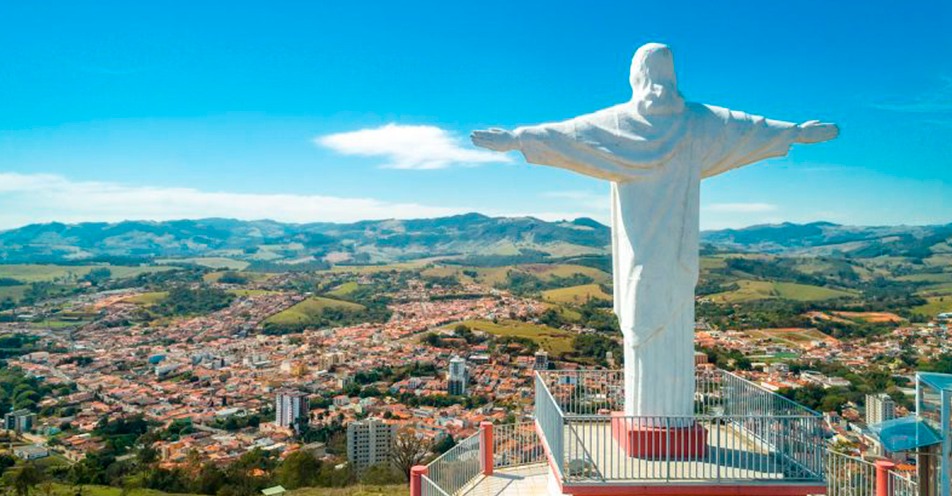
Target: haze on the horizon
{"points": [[342, 113]]}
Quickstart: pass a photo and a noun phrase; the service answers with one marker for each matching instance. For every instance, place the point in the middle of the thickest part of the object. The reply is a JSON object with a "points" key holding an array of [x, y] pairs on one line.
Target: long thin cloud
{"points": [[32, 198], [409, 147]]}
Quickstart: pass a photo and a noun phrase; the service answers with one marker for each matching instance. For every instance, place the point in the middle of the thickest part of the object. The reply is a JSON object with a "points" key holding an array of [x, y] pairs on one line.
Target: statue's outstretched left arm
{"points": [[495, 139], [735, 139]]}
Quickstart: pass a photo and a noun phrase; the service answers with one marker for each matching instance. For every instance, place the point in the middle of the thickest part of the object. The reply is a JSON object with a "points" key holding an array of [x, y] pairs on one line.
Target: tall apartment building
{"points": [[19, 421], [541, 361], [369, 442], [290, 407], [879, 408], [456, 379]]}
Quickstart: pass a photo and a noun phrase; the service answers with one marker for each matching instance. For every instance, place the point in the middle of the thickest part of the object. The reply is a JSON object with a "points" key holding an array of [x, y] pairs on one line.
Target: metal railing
{"points": [[516, 445], [551, 422], [900, 485], [456, 468], [717, 392], [430, 488], [849, 476], [749, 433]]}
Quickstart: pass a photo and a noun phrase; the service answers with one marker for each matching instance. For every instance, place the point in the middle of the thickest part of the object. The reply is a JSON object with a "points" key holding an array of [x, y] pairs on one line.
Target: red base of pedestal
{"points": [[641, 440]]}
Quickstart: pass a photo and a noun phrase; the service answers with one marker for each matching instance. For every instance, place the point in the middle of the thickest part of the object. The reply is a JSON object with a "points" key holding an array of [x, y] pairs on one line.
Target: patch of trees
{"points": [[236, 423], [727, 359], [97, 276], [817, 398], [776, 269], [121, 434], [80, 360], [525, 256], [597, 314], [232, 277], [415, 369], [17, 390], [184, 300], [442, 400], [375, 310], [524, 283], [518, 344], [441, 281], [871, 380], [45, 290], [600, 262], [14, 345], [9, 281], [461, 331], [888, 295], [709, 285], [755, 314], [277, 267], [941, 363], [842, 329], [596, 346]]}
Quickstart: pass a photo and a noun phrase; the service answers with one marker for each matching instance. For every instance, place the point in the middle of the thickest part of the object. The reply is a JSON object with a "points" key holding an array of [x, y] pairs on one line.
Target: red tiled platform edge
{"points": [[642, 441]]}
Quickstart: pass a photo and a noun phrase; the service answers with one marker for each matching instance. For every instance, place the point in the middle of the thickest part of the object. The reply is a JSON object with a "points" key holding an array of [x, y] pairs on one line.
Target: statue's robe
{"points": [[655, 164]]}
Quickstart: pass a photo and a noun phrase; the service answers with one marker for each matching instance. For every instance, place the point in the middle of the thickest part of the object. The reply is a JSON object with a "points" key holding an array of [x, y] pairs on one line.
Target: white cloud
{"points": [[30, 198], [739, 208], [409, 147]]}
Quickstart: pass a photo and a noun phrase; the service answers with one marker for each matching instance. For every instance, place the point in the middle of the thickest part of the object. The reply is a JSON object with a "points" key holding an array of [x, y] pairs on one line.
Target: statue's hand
{"points": [[495, 139], [817, 132]]}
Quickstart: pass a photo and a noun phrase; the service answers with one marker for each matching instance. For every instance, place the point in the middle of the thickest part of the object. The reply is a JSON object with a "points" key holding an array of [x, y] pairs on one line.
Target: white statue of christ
{"points": [[655, 149]]}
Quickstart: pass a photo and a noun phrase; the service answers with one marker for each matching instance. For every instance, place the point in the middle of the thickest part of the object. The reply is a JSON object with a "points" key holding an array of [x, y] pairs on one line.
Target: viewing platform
{"points": [[742, 440]]}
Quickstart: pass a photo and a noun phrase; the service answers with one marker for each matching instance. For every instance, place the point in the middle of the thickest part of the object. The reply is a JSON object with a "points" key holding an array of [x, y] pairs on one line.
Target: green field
{"points": [[935, 306], [154, 298], [12, 292], [309, 309], [940, 277], [43, 272], [210, 262], [750, 290], [251, 276], [147, 299], [251, 292], [498, 275], [794, 337], [555, 341], [344, 289], [576, 294], [806, 292], [708, 263]]}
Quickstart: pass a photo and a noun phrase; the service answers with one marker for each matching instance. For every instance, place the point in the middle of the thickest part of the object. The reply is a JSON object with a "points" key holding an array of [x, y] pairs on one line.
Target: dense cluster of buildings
{"points": [[218, 371]]}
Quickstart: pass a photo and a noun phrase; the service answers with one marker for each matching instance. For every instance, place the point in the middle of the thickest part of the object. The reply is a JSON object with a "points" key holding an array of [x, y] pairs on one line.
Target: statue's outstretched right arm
{"points": [[554, 145], [816, 132]]}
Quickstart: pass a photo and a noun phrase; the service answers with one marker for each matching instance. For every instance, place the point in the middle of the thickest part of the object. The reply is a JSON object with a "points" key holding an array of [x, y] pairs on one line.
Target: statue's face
{"points": [[654, 84]]}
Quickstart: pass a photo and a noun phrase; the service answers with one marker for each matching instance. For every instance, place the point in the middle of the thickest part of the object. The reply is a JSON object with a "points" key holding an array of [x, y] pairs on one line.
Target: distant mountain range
{"points": [[396, 240]]}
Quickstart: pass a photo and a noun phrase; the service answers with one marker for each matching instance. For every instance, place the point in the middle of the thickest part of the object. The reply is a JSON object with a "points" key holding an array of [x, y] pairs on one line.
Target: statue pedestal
{"points": [[640, 440]]}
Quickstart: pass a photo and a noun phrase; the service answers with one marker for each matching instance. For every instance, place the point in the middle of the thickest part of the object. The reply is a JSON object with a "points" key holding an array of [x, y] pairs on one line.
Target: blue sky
{"points": [[190, 109]]}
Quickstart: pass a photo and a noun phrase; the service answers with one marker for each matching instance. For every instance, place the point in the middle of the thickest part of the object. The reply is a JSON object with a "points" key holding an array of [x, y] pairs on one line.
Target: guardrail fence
{"points": [[750, 435]]}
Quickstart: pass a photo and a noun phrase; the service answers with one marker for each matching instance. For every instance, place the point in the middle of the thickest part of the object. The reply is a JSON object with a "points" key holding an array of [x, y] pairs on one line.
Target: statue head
{"points": [[654, 84]]}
